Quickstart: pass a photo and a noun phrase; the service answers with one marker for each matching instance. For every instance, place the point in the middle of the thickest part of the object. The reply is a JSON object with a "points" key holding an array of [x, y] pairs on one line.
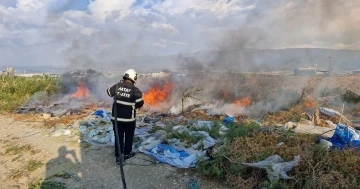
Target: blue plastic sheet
{"points": [[345, 137], [103, 114], [228, 120], [167, 154]]}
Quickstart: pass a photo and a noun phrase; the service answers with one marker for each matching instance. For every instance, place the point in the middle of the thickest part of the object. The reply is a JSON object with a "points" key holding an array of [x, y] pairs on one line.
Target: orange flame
{"points": [[157, 94], [82, 91], [244, 102]]}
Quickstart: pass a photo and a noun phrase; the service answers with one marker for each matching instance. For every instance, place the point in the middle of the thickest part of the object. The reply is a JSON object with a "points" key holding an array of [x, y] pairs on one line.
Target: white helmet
{"points": [[131, 75]]}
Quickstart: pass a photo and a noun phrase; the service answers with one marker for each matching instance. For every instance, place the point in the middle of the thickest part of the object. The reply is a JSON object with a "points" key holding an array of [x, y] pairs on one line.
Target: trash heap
{"points": [[179, 145], [329, 125]]}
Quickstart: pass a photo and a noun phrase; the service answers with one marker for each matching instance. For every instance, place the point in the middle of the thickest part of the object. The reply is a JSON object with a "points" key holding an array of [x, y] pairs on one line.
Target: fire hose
{"points": [[117, 140]]}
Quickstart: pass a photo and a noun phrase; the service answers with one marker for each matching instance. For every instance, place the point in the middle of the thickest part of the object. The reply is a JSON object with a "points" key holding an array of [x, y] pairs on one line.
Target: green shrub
{"points": [[15, 91]]}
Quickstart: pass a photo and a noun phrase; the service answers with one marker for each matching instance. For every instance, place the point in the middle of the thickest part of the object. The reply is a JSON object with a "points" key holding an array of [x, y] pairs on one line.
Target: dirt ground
{"points": [[28, 153]]}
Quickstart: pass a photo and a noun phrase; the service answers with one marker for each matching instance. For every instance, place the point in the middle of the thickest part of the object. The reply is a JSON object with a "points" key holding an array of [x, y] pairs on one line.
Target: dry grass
{"points": [[318, 167], [282, 117], [25, 169], [13, 149], [67, 120]]}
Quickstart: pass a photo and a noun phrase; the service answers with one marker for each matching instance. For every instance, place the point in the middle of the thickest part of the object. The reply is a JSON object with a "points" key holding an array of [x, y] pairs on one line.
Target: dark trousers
{"points": [[127, 129]]}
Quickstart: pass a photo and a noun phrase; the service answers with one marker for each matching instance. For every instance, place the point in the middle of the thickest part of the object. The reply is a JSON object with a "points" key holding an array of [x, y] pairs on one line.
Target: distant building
{"points": [[305, 71], [10, 71], [357, 72]]}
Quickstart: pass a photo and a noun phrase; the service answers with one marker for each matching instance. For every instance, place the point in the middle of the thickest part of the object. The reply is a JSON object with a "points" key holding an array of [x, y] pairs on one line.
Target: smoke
{"points": [[189, 63], [215, 40], [118, 33]]}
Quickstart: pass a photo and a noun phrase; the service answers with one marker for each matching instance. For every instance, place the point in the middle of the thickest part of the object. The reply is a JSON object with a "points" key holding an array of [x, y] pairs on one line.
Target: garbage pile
{"points": [[186, 141], [180, 145], [327, 123]]}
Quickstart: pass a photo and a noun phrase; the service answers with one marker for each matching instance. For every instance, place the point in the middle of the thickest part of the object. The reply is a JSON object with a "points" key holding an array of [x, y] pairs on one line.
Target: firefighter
{"points": [[128, 99]]}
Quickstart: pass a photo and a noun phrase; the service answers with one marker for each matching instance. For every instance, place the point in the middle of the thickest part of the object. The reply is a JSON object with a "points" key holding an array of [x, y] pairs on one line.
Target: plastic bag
{"points": [[275, 167]]}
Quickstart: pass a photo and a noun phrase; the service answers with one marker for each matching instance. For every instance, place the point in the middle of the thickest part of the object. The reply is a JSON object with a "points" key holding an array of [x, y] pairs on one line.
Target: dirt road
{"points": [[28, 153]]}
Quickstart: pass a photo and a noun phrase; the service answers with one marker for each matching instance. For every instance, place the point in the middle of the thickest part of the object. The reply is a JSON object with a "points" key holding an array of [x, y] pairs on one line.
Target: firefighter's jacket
{"points": [[128, 99]]}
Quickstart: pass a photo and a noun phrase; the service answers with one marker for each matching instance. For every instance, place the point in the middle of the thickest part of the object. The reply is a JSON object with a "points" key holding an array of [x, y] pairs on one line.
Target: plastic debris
{"points": [[207, 142], [228, 120], [207, 124], [167, 154], [82, 129], [310, 129], [276, 167], [179, 128], [325, 143], [60, 132], [345, 136], [329, 112], [223, 129], [98, 131]]}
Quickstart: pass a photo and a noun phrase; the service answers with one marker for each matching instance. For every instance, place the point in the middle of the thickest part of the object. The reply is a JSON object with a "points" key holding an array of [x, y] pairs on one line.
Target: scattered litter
{"points": [[97, 130], [207, 142], [167, 154], [310, 129], [329, 112], [228, 120], [345, 137], [276, 167], [82, 129], [160, 124], [223, 129], [207, 124], [60, 132], [326, 144], [179, 128]]}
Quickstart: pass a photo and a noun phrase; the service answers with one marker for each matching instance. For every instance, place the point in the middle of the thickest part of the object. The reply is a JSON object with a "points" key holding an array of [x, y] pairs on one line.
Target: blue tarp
{"points": [[228, 120], [345, 136], [167, 154]]}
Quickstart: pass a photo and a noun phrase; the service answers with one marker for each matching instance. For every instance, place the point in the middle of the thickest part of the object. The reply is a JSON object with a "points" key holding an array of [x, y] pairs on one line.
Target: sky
{"points": [[88, 32]]}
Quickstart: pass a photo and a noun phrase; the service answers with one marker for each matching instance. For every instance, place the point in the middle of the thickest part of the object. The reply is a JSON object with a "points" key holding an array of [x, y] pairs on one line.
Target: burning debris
{"points": [[79, 91], [158, 93], [244, 102]]}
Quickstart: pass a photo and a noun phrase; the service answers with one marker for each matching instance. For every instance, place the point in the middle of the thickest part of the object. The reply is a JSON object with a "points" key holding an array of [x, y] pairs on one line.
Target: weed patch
{"points": [[318, 167], [14, 149], [186, 137], [155, 128], [15, 91], [25, 169], [213, 131], [39, 184], [32, 165]]}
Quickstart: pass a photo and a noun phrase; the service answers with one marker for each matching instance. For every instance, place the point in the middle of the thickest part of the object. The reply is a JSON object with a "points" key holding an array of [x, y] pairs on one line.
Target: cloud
{"points": [[103, 9], [105, 32], [165, 27]]}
